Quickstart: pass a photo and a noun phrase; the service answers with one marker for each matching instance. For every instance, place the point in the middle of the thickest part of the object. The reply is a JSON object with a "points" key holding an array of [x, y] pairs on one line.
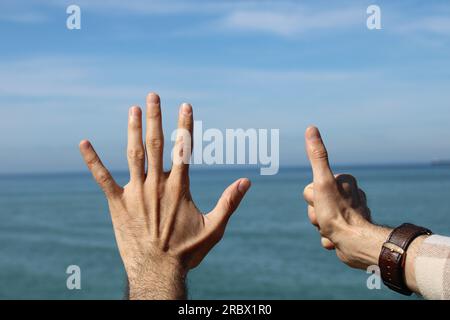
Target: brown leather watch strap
{"points": [[393, 255]]}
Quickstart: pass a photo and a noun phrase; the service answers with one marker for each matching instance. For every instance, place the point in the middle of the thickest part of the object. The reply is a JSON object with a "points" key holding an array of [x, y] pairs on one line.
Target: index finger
{"points": [[98, 170]]}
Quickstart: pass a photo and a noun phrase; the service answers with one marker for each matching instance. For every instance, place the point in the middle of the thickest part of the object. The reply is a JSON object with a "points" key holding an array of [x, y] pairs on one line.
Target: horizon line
{"points": [[220, 167]]}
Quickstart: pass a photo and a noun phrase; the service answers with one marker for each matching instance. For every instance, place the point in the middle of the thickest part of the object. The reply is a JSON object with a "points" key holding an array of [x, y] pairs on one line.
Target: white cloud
{"points": [[279, 17], [291, 22]]}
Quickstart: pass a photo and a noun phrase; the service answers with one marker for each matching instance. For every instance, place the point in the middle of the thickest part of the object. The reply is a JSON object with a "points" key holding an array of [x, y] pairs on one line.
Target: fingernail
{"points": [[244, 185], [85, 144], [312, 133], [186, 109], [134, 111], [153, 97]]}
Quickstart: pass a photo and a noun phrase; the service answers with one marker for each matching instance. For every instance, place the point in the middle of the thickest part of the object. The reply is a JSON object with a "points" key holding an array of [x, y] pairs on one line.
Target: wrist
{"points": [[161, 268], [371, 242], [361, 245], [159, 277]]}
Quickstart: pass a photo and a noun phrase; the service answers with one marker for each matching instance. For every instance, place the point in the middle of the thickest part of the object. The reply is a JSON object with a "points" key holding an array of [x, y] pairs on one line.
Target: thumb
{"points": [[229, 201], [318, 156]]}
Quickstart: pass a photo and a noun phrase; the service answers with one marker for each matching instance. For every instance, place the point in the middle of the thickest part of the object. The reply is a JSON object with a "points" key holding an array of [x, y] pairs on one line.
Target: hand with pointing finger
{"points": [[338, 208], [160, 233]]}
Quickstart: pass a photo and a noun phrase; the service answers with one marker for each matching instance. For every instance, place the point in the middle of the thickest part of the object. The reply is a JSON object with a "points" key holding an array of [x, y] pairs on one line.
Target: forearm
{"points": [[158, 281]]}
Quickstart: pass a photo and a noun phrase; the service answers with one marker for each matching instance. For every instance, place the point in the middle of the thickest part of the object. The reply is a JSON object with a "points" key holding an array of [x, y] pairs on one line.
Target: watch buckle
{"points": [[393, 247]]}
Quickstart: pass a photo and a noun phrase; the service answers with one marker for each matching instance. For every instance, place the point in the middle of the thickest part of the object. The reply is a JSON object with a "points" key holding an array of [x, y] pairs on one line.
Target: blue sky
{"points": [[379, 96]]}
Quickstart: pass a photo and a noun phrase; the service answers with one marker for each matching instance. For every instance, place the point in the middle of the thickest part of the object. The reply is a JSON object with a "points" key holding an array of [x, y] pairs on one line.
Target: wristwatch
{"points": [[393, 256]]}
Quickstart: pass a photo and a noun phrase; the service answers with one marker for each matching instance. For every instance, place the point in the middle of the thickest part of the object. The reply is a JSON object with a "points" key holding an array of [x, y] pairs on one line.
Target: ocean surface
{"points": [[270, 250]]}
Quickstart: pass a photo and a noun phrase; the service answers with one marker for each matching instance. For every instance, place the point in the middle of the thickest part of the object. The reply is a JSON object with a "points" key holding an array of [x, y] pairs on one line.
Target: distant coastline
{"points": [[441, 163]]}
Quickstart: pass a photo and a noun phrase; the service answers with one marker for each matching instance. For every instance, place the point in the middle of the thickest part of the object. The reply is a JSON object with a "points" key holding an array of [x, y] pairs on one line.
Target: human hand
{"points": [[339, 209], [160, 233]]}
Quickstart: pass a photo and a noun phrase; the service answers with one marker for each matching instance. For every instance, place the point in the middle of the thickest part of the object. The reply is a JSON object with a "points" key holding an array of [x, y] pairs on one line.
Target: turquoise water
{"points": [[270, 251]]}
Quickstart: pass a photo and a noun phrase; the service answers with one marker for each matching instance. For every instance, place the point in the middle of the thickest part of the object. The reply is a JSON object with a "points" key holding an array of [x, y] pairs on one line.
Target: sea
{"points": [[49, 222]]}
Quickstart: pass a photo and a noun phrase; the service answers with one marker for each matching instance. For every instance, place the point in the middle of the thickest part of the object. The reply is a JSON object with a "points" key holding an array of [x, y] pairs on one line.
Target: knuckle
{"points": [[352, 180], [313, 220], [325, 231], [91, 162], [155, 143], [307, 191], [188, 122], [347, 178], [348, 184], [179, 143], [154, 113], [230, 204], [103, 177], [320, 153], [347, 188], [136, 154], [179, 150]]}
